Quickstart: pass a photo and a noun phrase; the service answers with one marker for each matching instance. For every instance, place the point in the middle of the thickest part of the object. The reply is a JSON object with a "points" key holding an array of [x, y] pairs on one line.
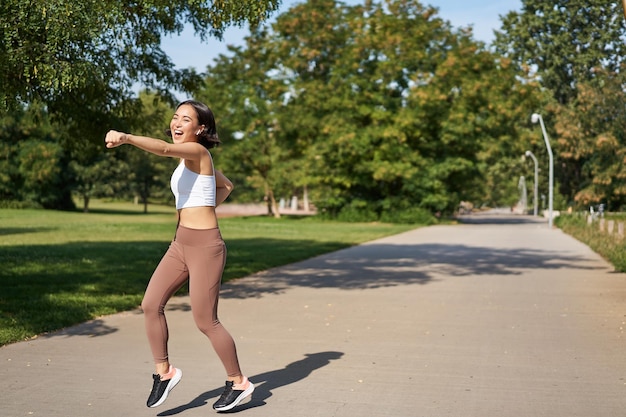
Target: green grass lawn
{"points": [[62, 268]]}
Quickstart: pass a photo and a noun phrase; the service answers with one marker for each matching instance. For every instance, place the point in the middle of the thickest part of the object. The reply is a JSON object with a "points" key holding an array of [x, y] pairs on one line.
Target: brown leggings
{"points": [[198, 256]]}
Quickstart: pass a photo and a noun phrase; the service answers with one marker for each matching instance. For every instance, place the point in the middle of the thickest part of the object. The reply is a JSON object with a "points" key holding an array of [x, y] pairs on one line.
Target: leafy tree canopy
{"points": [[565, 40], [376, 107], [55, 48], [577, 51]]}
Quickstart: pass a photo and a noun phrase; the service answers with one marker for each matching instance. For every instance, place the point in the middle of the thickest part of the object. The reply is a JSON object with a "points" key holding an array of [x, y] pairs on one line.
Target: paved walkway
{"points": [[493, 318]]}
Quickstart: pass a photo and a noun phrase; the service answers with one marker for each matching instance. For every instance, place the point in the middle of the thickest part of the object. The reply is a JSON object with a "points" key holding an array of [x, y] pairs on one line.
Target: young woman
{"points": [[197, 254]]}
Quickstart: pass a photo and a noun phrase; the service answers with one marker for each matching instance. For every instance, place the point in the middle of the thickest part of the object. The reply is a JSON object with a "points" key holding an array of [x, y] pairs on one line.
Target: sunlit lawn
{"points": [[62, 268]]}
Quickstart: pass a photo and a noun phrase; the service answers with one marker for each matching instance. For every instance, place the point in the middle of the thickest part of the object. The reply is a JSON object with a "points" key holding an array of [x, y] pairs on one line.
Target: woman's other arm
{"points": [[223, 187]]}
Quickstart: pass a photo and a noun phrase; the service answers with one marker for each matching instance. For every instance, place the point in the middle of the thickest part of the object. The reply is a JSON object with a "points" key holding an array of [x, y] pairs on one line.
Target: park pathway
{"points": [[500, 316]]}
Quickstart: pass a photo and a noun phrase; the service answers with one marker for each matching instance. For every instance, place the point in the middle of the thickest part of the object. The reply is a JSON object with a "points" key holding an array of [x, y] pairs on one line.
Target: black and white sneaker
{"points": [[233, 394], [161, 388]]}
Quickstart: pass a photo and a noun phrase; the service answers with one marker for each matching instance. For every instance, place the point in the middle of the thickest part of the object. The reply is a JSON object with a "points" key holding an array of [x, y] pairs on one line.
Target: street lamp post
{"points": [[535, 194], [537, 118]]}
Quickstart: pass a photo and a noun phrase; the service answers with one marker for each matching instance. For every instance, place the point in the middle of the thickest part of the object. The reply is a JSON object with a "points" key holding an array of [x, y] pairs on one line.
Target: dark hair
{"points": [[208, 137]]}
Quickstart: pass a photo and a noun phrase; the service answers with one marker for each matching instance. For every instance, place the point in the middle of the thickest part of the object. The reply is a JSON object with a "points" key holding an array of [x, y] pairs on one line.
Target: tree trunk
{"points": [[275, 206], [305, 199], [272, 207], [146, 194]]}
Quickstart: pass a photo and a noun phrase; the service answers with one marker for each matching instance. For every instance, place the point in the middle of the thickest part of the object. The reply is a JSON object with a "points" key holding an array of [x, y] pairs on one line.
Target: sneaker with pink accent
{"points": [[162, 385], [233, 394]]}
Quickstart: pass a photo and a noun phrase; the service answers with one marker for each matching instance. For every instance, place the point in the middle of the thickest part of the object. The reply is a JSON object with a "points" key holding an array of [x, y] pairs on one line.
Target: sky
{"points": [[187, 50]]}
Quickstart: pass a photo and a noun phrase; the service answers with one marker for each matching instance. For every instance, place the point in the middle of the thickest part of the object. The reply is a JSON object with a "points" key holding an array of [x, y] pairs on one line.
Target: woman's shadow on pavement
{"points": [[266, 382]]}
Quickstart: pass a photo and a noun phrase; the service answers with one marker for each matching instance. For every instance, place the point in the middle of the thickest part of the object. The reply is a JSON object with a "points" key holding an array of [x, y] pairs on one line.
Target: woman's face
{"points": [[184, 125]]}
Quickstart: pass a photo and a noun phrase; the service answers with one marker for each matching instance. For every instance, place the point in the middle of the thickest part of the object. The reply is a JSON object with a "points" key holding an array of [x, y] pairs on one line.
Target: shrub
{"points": [[15, 204], [357, 211], [411, 215]]}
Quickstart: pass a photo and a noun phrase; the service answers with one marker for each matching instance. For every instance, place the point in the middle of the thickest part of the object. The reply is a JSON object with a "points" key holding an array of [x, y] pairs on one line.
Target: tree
{"points": [[33, 164], [377, 107], [51, 48], [150, 174], [564, 40], [83, 60], [248, 103], [131, 173], [307, 44], [10, 135], [577, 51], [597, 140], [41, 169], [409, 113], [100, 178]]}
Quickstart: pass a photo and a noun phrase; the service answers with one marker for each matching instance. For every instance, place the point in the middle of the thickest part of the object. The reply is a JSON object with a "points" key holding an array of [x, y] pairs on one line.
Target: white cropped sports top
{"points": [[191, 189]]}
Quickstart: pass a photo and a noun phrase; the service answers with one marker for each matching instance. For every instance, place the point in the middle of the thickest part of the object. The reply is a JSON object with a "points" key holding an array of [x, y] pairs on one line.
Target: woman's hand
{"points": [[114, 139]]}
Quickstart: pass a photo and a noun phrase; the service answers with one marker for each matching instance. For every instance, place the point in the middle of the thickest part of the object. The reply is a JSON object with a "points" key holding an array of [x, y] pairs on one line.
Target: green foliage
{"points": [[610, 247], [52, 49], [576, 50], [83, 61], [247, 103], [149, 175], [360, 103], [591, 135], [33, 165], [410, 215], [105, 176], [382, 104], [19, 204], [358, 211], [564, 40], [75, 65], [40, 169]]}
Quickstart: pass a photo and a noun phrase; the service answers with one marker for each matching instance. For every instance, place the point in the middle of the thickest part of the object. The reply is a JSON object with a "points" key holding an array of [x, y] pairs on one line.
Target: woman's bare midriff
{"points": [[198, 217]]}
